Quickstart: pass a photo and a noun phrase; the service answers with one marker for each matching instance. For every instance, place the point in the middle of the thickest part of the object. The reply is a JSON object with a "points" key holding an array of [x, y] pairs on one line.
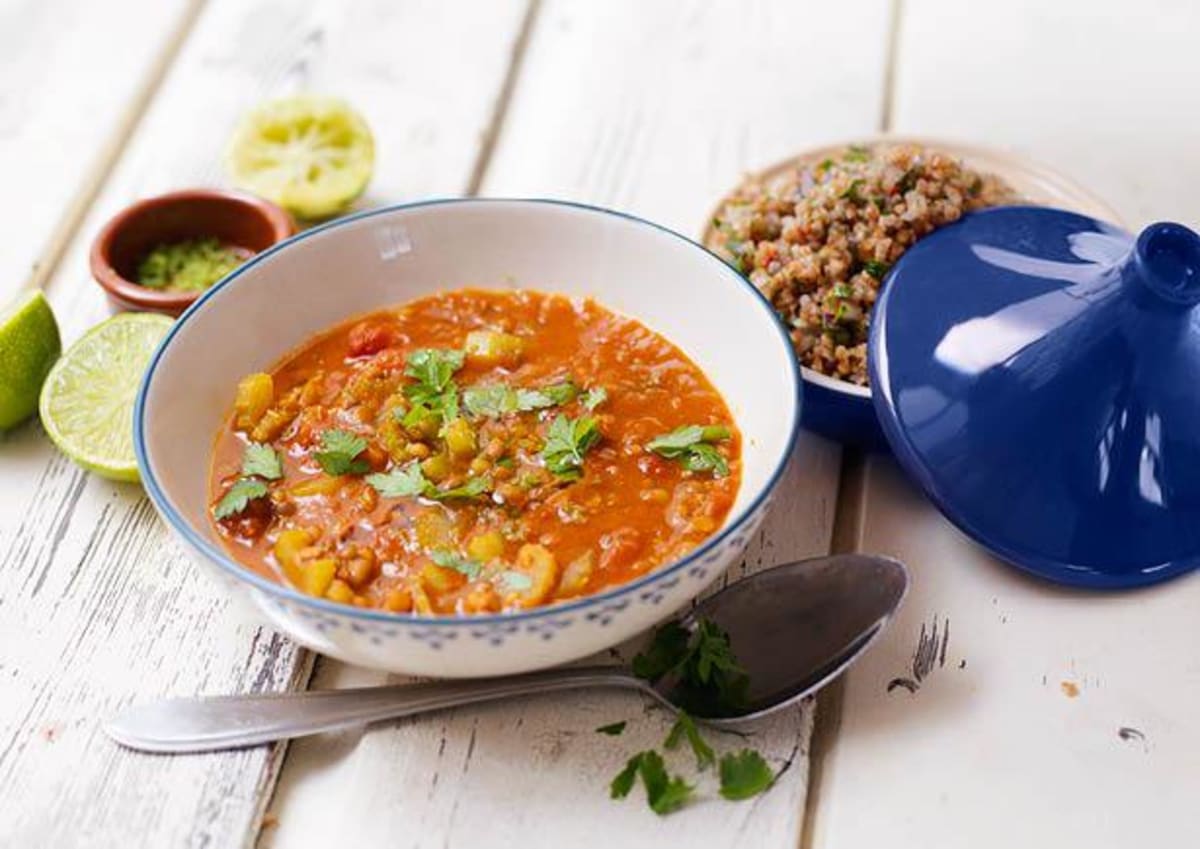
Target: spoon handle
{"points": [[230, 722]]}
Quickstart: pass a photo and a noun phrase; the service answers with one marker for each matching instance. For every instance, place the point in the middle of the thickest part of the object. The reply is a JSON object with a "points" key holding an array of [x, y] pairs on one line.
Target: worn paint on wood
{"points": [[99, 607], [67, 100]]}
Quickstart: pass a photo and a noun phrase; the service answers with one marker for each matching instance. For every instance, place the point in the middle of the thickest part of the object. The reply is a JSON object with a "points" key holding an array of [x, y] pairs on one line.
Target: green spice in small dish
{"points": [[191, 265]]}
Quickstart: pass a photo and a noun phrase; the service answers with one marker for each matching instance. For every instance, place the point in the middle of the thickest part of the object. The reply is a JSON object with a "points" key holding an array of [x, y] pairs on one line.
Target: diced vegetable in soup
{"points": [[474, 452]]}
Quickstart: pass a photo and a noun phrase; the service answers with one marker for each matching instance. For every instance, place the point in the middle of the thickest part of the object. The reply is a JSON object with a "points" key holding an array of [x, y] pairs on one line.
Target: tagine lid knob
{"points": [[1037, 373]]}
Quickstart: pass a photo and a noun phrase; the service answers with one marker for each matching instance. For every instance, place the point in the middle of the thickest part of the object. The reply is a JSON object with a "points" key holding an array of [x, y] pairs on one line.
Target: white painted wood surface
{"points": [[72, 77], [641, 134], [654, 108], [1059, 718], [98, 607]]}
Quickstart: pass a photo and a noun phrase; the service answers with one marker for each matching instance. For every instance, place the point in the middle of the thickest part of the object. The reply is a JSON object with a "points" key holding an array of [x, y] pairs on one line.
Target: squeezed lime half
{"points": [[29, 345], [87, 399], [310, 154]]}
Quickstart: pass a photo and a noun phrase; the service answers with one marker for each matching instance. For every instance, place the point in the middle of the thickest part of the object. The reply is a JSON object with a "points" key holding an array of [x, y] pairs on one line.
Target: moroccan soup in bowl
{"points": [[470, 437], [474, 452]]}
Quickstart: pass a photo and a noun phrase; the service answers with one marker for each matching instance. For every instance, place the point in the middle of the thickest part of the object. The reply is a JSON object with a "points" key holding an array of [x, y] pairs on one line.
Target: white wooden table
{"points": [[656, 108]]}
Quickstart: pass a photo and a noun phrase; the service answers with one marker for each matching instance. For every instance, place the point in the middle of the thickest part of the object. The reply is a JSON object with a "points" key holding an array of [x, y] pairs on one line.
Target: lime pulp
{"points": [[87, 400]]}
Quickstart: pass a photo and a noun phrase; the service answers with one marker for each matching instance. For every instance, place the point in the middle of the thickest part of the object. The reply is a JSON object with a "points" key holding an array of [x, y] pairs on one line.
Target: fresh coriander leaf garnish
{"points": [[744, 774], [709, 681], [490, 401], [433, 370], [876, 269], [239, 497], [517, 582], [261, 461], [613, 729], [554, 395], [705, 458], [417, 415], [712, 660], [402, 482], [450, 560], [473, 488], [594, 397], [691, 446], [623, 782], [685, 727], [841, 290], [667, 651], [664, 793], [497, 400], [567, 441], [339, 453], [825, 164]]}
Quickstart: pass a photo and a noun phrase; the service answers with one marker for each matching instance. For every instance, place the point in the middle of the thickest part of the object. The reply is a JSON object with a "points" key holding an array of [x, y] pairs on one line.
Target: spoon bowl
{"points": [[793, 629], [796, 627]]}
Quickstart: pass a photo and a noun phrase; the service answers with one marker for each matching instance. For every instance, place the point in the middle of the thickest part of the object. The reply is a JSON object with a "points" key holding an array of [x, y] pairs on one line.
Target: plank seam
{"points": [[892, 49], [110, 151], [495, 124]]}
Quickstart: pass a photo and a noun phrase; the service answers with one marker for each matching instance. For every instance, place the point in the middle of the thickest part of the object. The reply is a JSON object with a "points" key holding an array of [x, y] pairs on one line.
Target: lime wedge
{"points": [[311, 155], [29, 345], [87, 400]]}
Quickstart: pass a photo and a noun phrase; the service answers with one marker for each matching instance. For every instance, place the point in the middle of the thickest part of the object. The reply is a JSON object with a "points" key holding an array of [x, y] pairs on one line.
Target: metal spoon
{"points": [[793, 629]]}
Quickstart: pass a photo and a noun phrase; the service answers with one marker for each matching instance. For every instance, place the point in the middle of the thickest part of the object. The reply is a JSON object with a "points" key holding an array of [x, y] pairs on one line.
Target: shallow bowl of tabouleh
{"points": [[818, 233]]}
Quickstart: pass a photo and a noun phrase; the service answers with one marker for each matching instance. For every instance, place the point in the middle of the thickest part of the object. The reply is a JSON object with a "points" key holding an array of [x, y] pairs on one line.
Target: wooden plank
{"points": [[1058, 717], [99, 608], [67, 99], [1103, 96], [646, 107]]}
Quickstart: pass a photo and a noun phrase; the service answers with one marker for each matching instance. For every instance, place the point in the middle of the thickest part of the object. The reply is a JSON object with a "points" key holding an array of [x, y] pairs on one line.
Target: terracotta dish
{"points": [[234, 218]]}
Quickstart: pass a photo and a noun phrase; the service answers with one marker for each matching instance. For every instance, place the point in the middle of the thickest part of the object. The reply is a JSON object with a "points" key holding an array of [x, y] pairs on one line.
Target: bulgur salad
{"points": [[818, 238]]}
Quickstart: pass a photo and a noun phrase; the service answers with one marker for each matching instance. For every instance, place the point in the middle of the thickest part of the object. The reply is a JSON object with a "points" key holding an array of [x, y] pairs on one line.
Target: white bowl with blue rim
{"points": [[843, 411], [385, 257]]}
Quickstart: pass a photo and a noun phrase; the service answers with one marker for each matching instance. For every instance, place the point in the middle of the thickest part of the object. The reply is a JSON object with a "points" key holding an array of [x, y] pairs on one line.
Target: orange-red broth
{"points": [[532, 537]]}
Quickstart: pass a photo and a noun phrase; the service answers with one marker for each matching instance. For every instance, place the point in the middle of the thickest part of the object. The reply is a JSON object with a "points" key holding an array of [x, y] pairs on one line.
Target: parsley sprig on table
{"points": [[742, 774], [707, 674], [685, 728], [339, 453], [567, 441], [664, 792], [692, 446]]}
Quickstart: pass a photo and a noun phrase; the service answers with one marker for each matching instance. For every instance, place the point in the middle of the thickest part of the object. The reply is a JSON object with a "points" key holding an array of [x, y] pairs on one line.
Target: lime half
{"points": [[311, 155], [87, 400], [29, 345]]}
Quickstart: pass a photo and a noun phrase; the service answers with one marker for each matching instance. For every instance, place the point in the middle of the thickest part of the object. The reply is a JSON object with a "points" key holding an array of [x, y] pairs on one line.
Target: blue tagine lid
{"points": [[1037, 372]]}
